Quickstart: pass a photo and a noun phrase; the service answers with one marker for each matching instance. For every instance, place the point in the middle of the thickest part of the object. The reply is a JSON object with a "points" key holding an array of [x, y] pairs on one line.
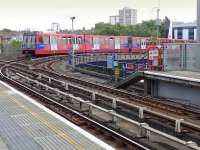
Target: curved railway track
{"points": [[175, 108], [124, 99], [109, 135]]}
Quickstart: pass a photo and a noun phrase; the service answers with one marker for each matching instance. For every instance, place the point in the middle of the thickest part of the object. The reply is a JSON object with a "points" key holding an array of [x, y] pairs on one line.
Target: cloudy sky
{"points": [[39, 14]]}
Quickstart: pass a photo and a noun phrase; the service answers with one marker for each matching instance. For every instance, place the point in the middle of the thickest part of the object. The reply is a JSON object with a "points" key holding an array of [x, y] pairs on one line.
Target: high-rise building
{"points": [[114, 20], [127, 16]]}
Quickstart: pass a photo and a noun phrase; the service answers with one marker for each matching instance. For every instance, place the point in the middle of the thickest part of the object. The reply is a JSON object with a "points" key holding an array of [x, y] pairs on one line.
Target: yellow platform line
{"points": [[45, 121]]}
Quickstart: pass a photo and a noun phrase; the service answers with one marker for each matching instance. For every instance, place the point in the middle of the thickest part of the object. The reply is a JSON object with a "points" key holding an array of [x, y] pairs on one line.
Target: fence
{"points": [[181, 57]]}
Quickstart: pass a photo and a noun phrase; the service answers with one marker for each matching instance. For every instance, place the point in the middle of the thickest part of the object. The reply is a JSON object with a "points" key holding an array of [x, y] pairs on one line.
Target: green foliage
{"points": [[144, 29], [1, 46], [16, 44]]}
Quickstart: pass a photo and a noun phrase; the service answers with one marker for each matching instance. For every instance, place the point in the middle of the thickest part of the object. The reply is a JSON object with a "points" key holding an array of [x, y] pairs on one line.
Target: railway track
{"points": [[151, 103], [86, 93], [57, 76], [144, 100], [111, 136], [128, 97]]}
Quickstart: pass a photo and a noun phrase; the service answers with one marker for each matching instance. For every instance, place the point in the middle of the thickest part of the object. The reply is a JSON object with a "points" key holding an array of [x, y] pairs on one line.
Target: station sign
{"points": [[154, 56], [112, 61], [153, 53]]}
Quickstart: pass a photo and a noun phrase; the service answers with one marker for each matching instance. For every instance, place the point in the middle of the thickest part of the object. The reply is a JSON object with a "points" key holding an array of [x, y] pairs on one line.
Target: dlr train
{"points": [[40, 43]]}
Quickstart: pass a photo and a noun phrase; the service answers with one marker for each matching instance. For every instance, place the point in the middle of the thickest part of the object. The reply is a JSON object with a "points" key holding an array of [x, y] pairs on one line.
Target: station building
{"points": [[186, 31]]}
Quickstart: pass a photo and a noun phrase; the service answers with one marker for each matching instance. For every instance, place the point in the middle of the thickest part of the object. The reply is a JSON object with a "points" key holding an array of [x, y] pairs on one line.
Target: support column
{"points": [[93, 96], [145, 87], [141, 112], [178, 125], [142, 131], [67, 87], [114, 103]]}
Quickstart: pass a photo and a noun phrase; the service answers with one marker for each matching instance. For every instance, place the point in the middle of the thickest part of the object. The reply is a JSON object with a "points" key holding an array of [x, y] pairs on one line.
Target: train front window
{"points": [[25, 40], [33, 40]]}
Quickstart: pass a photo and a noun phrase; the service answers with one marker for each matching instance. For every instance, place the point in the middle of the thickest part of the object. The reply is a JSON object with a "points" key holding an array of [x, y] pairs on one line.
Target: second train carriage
{"points": [[39, 43]]}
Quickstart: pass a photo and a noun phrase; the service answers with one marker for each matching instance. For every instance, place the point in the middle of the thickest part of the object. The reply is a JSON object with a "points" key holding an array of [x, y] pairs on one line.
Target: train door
{"points": [[117, 43], [53, 43], [143, 44], [75, 43], [111, 44], [130, 44], [96, 44]]}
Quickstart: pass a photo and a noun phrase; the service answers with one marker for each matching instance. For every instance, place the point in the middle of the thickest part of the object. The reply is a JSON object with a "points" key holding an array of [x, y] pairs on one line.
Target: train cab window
{"points": [[25, 40], [29, 40], [33, 40]]}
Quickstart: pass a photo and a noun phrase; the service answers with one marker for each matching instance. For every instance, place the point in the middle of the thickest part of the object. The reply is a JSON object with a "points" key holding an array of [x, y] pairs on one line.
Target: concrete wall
{"points": [[182, 93]]}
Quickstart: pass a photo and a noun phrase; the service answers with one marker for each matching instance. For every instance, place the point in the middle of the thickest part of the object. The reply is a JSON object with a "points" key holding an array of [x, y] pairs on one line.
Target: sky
{"points": [[39, 14]]}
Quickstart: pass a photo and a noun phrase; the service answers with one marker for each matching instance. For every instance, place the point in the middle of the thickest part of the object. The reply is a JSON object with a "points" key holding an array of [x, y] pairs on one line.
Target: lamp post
{"points": [[73, 47], [157, 20]]}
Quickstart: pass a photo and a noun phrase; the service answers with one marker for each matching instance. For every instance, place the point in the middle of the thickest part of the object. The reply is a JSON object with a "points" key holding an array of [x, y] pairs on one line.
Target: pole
{"points": [[73, 47], [158, 23], [198, 21]]}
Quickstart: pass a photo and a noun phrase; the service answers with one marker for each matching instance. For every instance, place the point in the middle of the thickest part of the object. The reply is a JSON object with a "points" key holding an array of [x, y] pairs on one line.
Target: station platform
{"points": [[182, 77], [27, 125], [181, 86]]}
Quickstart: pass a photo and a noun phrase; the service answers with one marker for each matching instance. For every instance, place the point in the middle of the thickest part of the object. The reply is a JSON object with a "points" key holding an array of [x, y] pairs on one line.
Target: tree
{"points": [[5, 30], [145, 29], [16, 44]]}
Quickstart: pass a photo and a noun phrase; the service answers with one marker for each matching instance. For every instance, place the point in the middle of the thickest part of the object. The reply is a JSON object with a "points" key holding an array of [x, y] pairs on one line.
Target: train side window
{"points": [[64, 40], [69, 40], [46, 40], [96, 40], [101, 41]]}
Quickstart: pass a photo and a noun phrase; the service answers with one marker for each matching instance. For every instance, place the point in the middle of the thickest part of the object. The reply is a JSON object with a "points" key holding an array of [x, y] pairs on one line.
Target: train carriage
{"points": [[39, 43]]}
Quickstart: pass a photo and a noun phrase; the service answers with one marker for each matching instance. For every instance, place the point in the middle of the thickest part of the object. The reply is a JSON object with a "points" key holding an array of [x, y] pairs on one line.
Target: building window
{"points": [[191, 34], [180, 34]]}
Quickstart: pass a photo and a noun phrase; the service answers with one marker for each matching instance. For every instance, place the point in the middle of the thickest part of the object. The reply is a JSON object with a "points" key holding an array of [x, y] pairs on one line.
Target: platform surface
{"points": [[27, 125], [183, 75]]}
